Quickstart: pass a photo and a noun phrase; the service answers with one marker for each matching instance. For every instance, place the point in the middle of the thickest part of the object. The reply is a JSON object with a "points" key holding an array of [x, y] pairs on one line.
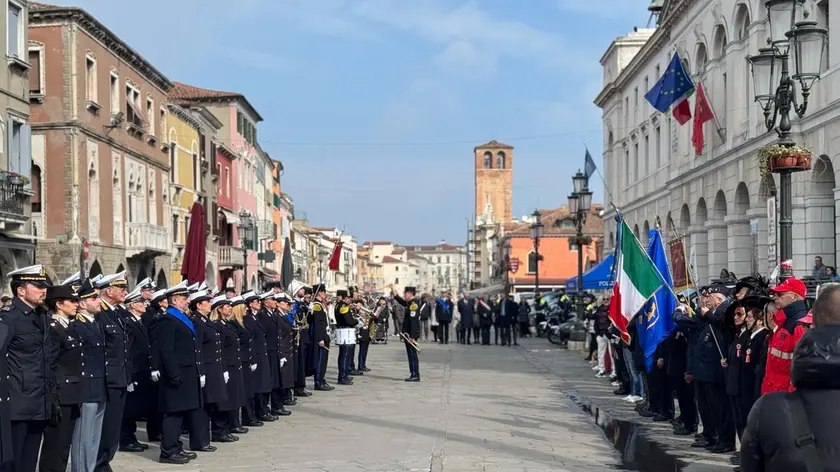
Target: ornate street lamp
{"points": [[777, 98], [536, 234], [243, 228], [580, 202]]}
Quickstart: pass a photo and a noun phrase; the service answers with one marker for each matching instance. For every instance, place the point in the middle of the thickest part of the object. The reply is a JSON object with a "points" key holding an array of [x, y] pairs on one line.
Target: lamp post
{"points": [[580, 201], [244, 226], [778, 98], [536, 234]]}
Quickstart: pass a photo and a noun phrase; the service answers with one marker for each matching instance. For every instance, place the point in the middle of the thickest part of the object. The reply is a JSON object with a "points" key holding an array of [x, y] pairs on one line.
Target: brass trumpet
{"points": [[411, 343]]}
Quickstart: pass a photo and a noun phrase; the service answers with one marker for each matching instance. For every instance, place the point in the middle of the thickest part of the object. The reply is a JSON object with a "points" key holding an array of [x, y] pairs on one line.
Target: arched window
{"points": [[488, 160], [500, 160], [532, 262], [36, 189]]}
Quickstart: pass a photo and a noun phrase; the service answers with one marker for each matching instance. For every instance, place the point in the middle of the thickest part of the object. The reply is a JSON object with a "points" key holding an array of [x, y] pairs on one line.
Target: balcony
{"points": [[14, 198], [230, 257], [266, 229], [146, 240]]}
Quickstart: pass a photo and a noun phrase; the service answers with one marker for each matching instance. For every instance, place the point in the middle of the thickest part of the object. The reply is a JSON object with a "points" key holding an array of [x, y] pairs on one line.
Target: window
{"points": [[636, 161], [19, 142], [532, 262], [202, 144], [14, 30], [500, 160], [90, 79], [647, 156], [36, 189], [725, 102], [227, 181], [488, 160], [150, 114], [397, 280], [115, 93], [657, 136], [238, 121], [218, 183], [162, 121], [133, 115], [447, 259], [186, 228], [657, 72], [635, 98], [627, 168], [647, 85], [173, 164], [36, 85], [195, 172], [175, 229]]}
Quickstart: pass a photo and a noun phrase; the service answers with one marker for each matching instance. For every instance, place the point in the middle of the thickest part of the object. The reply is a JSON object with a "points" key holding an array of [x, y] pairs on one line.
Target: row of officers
{"points": [[81, 362]]}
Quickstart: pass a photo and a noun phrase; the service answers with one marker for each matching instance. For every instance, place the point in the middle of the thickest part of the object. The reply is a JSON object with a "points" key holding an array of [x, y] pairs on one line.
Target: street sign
{"points": [[86, 250], [514, 264]]}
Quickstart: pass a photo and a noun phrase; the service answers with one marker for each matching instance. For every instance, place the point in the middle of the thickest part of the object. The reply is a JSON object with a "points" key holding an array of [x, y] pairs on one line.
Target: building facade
{"points": [[717, 200], [21, 190], [493, 163], [100, 112], [446, 266]]}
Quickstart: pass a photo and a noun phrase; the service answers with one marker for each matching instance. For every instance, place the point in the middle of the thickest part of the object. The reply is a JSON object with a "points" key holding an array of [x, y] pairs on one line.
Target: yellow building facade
{"points": [[184, 179]]}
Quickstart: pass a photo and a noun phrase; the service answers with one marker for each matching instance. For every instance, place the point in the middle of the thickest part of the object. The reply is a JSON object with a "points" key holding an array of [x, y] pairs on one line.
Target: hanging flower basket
{"points": [[775, 158]]}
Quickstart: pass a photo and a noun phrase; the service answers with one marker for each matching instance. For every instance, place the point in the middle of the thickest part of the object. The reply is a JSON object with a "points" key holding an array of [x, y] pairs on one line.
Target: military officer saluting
{"points": [[29, 362], [411, 328], [319, 333]]}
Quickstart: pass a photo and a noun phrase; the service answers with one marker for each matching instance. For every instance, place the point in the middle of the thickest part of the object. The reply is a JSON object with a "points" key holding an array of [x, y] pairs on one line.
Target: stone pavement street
{"points": [[476, 409]]}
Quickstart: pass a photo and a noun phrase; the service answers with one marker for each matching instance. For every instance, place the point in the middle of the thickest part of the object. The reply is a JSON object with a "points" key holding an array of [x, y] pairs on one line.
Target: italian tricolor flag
{"points": [[636, 280]]}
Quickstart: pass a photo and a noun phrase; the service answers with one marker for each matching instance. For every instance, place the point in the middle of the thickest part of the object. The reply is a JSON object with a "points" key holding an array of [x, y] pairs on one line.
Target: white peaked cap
{"points": [[221, 299], [159, 294], [180, 289], [251, 294], [137, 293], [269, 294], [77, 277], [201, 294], [118, 278], [145, 283]]}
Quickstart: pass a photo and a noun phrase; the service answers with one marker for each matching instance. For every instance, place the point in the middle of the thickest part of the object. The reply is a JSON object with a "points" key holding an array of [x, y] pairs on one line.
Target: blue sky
{"points": [[374, 106]]}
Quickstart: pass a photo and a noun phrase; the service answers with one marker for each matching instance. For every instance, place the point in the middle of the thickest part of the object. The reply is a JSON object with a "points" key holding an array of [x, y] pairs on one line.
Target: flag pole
{"points": [[601, 176], [658, 272]]}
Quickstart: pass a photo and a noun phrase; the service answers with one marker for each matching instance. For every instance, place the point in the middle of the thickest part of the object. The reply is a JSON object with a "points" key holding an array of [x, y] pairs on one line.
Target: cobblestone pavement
{"points": [[476, 409], [642, 443]]}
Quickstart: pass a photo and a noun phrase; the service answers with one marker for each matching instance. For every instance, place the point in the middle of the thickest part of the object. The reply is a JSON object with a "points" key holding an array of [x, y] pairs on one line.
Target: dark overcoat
{"points": [[28, 359], [212, 365], [269, 323], [180, 388], [260, 378], [67, 355], [246, 357], [139, 403], [5, 407], [286, 350], [233, 365]]}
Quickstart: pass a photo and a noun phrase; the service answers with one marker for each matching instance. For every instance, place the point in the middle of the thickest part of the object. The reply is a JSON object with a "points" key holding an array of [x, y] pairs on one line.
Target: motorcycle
{"points": [[561, 334]]}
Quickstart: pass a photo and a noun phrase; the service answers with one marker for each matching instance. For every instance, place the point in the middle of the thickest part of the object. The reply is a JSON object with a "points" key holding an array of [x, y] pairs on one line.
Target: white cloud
{"points": [[611, 9]]}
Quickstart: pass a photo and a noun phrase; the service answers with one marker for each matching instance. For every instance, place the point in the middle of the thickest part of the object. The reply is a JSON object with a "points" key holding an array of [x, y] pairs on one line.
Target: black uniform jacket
{"points": [[67, 355], [319, 324], [5, 396], [260, 378], [117, 345], [303, 317], [465, 308], [212, 364], [29, 361], [286, 349], [246, 356], [93, 362], [411, 322], [179, 388], [233, 365], [140, 402], [268, 322], [443, 313]]}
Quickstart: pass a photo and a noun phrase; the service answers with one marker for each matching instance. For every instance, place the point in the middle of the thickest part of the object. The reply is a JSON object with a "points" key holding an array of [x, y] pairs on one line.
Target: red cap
{"points": [[792, 285]]}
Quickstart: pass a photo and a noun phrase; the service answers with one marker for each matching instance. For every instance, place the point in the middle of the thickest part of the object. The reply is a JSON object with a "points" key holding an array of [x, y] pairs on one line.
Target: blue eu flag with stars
{"points": [[656, 323], [672, 86]]}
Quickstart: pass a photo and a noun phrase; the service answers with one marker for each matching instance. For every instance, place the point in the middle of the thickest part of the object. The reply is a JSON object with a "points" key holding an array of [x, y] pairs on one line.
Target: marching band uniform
{"points": [[318, 329], [29, 364], [139, 402], [261, 377], [300, 310], [364, 345], [67, 355], [354, 312], [343, 320], [212, 368], [287, 350], [117, 366], [411, 328], [223, 417]]}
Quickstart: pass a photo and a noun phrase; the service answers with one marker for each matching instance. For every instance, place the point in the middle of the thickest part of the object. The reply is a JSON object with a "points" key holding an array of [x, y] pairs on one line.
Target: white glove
{"points": [[283, 362], [130, 387], [202, 379], [227, 377], [253, 367], [155, 375]]}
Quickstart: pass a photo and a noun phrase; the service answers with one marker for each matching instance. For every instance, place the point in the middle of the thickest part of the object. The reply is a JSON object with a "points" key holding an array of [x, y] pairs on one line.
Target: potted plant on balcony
{"points": [[778, 157]]}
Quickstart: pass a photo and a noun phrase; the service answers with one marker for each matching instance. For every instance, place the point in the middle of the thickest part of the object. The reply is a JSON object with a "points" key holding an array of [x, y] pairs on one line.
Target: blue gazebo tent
{"points": [[599, 277]]}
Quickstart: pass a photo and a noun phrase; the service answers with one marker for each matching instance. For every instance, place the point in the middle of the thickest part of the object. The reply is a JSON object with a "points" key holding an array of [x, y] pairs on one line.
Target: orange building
{"points": [[558, 253]]}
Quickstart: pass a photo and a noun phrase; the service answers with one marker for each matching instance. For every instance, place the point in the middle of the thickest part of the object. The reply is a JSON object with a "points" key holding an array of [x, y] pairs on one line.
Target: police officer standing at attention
{"points": [[112, 292], [411, 328], [465, 308], [211, 369], [318, 329], [5, 409], [443, 313], [29, 361], [141, 388], [179, 393]]}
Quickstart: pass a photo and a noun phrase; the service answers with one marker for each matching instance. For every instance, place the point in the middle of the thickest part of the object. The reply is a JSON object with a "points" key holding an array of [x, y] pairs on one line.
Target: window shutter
{"points": [[26, 151], [35, 71], [14, 164]]}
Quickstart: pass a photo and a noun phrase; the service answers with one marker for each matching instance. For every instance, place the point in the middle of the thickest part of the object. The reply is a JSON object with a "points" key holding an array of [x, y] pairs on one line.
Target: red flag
{"points": [[702, 114], [616, 317], [682, 112], [335, 259]]}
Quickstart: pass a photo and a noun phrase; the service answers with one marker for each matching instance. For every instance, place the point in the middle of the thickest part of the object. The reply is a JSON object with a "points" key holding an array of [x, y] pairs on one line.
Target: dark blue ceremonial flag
{"points": [[655, 321], [589, 166], [671, 87]]}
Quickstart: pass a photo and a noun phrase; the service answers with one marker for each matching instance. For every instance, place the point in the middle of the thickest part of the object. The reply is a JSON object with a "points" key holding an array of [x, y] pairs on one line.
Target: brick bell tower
{"points": [[493, 181]]}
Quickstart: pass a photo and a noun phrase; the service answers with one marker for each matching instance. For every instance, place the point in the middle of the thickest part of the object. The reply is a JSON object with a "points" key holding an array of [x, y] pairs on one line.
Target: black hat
{"points": [[317, 288], [755, 283], [87, 290], [33, 274], [307, 290], [230, 290], [704, 290], [755, 302], [410, 290], [61, 292], [273, 284], [341, 293], [718, 288]]}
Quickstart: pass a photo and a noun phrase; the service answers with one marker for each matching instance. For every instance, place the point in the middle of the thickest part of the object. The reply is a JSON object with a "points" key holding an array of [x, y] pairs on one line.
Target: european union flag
{"points": [[672, 86], [656, 322]]}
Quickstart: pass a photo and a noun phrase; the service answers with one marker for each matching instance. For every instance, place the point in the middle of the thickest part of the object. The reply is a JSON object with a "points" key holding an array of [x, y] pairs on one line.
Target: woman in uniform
{"points": [[225, 417]]}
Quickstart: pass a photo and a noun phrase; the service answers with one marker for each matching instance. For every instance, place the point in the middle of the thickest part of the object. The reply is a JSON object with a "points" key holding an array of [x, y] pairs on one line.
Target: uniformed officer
{"points": [[319, 334], [248, 366], [112, 292], [411, 328], [224, 417], [300, 310], [485, 315], [88, 430], [287, 349], [29, 361], [363, 337], [62, 303], [268, 321], [261, 382], [139, 403], [157, 308], [179, 393], [6, 462], [354, 301], [212, 370], [343, 320], [147, 289]]}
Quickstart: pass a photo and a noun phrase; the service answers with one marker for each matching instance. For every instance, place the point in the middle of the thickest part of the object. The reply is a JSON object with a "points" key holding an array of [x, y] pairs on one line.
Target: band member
{"points": [[381, 315], [179, 393], [344, 320], [411, 328], [364, 337], [29, 363], [225, 417], [141, 389], [62, 303], [318, 330], [112, 292], [268, 319], [354, 302], [212, 370], [300, 310], [88, 428], [287, 348], [261, 381]]}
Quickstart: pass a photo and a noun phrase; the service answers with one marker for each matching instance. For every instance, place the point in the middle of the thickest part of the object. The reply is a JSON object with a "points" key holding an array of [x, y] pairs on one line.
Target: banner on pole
{"points": [[679, 265]]}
